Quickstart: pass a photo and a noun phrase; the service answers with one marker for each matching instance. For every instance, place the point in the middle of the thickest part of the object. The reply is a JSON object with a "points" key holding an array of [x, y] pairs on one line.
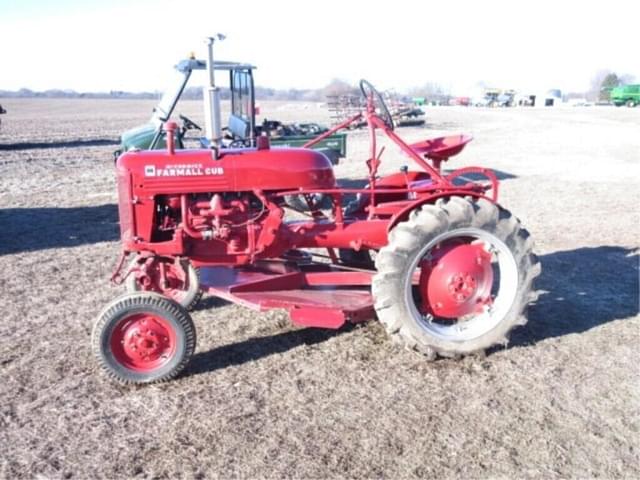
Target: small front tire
{"points": [[143, 338]]}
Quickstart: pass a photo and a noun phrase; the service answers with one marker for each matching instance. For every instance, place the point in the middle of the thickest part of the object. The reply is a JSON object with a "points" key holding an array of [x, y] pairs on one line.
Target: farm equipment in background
{"points": [[447, 270], [407, 116], [493, 97], [275, 129], [241, 129], [344, 107], [460, 101], [300, 134], [628, 95], [506, 98], [404, 113]]}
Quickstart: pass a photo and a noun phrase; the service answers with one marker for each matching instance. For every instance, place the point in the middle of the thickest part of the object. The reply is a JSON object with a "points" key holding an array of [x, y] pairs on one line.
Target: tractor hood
{"points": [[157, 171], [140, 137]]}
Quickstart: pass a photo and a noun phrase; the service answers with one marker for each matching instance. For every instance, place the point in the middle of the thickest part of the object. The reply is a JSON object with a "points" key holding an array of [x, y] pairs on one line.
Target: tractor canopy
{"points": [[241, 126], [142, 136]]}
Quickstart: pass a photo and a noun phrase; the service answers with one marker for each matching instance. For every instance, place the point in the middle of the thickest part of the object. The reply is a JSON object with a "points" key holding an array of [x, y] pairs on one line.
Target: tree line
{"points": [[601, 84]]}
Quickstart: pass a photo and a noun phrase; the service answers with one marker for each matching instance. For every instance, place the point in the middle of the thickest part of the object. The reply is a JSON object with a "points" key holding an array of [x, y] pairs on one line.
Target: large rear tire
{"points": [[143, 338], [455, 278]]}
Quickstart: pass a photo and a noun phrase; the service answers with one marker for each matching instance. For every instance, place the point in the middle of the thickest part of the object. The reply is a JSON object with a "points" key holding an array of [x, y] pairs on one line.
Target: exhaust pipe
{"points": [[211, 95]]}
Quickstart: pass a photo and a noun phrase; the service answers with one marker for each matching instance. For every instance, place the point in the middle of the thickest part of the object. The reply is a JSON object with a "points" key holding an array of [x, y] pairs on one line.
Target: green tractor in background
{"points": [[241, 130], [628, 95]]}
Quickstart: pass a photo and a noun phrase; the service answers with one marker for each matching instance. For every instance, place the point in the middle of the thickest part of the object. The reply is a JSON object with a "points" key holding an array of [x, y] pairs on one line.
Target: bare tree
{"points": [[338, 87], [608, 83], [603, 81], [431, 91]]}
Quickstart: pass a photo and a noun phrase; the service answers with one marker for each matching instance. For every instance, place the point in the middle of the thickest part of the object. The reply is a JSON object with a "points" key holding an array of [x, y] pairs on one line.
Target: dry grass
{"points": [[262, 399]]}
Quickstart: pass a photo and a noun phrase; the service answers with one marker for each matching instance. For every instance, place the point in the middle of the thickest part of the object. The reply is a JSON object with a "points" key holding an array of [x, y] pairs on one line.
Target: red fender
{"points": [[462, 191], [403, 214]]}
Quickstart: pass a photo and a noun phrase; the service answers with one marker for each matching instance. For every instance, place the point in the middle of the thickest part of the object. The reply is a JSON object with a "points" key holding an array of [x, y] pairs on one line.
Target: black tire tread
{"points": [[427, 222], [135, 300]]}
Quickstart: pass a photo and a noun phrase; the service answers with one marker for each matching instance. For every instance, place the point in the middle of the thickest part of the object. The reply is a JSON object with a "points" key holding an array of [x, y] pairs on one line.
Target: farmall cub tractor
{"points": [[446, 270]]}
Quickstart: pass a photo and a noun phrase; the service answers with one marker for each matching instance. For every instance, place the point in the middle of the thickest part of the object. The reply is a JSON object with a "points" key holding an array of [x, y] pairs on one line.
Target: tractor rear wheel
{"points": [[143, 338], [455, 278], [147, 276]]}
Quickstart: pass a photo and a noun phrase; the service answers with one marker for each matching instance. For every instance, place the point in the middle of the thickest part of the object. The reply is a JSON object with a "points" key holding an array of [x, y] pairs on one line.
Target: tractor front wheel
{"points": [[180, 282], [143, 338], [455, 278]]}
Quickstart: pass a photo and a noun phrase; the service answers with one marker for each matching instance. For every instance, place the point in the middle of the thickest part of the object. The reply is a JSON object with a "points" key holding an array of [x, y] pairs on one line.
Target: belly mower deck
{"points": [[315, 295]]}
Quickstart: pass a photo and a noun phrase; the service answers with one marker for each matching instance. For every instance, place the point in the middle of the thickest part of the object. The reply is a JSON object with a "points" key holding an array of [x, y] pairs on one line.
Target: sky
{"points": [[98, 45]]}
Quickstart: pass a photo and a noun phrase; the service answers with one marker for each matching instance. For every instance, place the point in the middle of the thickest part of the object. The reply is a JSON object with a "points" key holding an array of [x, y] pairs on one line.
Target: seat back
{"points": [[239, 127]]}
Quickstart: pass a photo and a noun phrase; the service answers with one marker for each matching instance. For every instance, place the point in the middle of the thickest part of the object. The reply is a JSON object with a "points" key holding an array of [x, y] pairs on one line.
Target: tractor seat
{"points": [[239, 127], [441, 148]]}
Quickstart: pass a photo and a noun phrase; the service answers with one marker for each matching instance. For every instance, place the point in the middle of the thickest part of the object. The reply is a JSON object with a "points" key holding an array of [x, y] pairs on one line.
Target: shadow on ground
{"points": [[30, 229], [259, 347], [59, 144], [582, 289]]}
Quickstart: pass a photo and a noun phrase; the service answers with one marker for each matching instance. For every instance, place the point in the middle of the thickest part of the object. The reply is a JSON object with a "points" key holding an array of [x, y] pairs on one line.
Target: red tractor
{"points": [[446, 270]]}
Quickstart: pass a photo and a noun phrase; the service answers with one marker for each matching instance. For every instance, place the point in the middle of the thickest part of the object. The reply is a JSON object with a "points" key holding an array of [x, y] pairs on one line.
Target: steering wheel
{"points": [[367, 90], [189, 124]]}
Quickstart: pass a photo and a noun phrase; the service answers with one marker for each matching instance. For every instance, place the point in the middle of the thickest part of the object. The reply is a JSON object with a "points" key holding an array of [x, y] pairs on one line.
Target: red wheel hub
{"points": [[143, 342], [456, 280]]}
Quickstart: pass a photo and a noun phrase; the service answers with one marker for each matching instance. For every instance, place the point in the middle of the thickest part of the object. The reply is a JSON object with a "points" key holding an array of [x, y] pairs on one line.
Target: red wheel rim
{"points": [[456, 280], [176, 282], [462, 284], [143, 342]]}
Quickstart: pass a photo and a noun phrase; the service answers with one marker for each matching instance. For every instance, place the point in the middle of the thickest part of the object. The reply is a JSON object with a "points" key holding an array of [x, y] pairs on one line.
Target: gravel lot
{"points": [[263, 399]]}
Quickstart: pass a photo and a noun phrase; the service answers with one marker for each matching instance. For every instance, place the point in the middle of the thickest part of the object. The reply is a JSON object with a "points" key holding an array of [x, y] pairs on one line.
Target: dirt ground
{"points": [[263, 399]]}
